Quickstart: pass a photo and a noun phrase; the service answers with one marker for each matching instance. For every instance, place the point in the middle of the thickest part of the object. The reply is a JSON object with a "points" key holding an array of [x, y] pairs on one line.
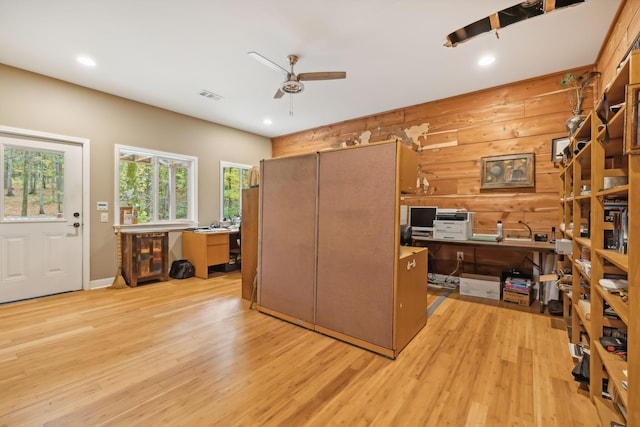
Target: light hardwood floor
{"points": [[191, 353]]}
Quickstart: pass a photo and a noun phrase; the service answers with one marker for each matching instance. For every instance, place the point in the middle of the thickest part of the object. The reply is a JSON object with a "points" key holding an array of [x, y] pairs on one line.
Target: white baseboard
{"points": [[100, 283]]}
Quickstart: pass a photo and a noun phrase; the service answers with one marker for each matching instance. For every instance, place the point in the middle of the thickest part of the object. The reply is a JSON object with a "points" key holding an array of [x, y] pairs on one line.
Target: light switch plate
{"points": [[104, 217]]}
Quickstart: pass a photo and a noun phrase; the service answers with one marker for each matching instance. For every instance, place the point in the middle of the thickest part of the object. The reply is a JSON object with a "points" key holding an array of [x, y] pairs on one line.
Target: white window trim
{"points": [[161, 225], [224, 164]]}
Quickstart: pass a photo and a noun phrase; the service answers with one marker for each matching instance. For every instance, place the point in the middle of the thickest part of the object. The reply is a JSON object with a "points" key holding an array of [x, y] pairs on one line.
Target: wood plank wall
{"points": [[455, 133], [621, 37]]}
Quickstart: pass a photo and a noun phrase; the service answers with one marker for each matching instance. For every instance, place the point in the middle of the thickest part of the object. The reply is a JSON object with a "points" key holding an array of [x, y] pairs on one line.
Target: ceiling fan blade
{"points": [[269, 63], [279, 94], [323, 75]]}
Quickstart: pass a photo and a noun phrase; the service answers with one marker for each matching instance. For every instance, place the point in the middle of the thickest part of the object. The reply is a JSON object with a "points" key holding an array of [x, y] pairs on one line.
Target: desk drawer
{"points": [[217, 239], [217, 254], [217, 249]]}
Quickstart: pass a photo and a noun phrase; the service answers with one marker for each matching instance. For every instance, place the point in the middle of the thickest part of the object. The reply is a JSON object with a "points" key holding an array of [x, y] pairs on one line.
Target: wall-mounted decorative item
{"points": [[631, 139], [514, 170], [557, 148]]}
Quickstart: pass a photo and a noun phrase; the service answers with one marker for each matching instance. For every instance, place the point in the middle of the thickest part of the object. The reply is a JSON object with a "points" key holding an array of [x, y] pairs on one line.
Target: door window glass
{"points": [[33, 183]]}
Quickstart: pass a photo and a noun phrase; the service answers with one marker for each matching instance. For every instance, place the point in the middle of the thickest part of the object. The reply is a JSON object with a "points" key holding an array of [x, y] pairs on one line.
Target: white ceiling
{"points": [[164, 52]]}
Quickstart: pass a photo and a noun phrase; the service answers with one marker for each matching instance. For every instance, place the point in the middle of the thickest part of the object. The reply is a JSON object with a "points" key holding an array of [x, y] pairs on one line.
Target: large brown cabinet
{"points": [[330, 258]]}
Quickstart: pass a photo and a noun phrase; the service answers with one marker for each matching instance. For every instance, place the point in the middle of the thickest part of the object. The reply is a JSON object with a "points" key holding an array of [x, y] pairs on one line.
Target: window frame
{"points": [[224, 164], [192, 196]]}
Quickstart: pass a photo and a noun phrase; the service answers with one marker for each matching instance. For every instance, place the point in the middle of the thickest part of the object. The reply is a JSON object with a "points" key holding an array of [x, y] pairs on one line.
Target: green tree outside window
{"points": [[234, 179]]}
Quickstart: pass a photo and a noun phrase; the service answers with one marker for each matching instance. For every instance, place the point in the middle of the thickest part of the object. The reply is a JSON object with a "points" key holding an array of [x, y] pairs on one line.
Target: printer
{"points": [[453, 224]]}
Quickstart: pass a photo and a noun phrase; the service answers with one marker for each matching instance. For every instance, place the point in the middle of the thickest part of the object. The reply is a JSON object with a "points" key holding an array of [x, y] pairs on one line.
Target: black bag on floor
{"points": [[181, 269]]}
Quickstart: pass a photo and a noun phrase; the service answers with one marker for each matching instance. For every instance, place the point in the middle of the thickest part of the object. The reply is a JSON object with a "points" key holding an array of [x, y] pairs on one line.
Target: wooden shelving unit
{"points": [[603, 155]]}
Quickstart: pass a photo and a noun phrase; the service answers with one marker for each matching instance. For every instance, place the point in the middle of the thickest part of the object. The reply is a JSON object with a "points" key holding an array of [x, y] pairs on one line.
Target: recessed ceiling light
{"points": [[487, 60], [267, 121], [85, 60]]}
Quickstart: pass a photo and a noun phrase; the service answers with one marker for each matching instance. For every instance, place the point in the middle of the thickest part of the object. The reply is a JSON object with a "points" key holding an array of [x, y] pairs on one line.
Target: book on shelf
{"points": [[611, 207]]}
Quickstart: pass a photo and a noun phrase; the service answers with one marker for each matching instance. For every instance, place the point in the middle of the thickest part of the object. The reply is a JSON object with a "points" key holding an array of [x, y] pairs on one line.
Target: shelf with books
{"points": [[614, 174], [583, 133], [583, 316], [615, 191], [616, 367], [615, 301], [616, 258], [605, 406], [583, 241], [566, 200]]}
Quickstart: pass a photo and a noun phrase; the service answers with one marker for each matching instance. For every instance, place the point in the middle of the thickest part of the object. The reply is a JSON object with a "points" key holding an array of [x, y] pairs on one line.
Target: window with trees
{"points": [[155, 187], [233, 178], [33, 183]]}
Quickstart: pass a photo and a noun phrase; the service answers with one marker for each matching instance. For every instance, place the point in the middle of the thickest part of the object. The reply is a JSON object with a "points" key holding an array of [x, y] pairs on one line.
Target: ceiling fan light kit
{"points": [[292, 86], [293, 83]]}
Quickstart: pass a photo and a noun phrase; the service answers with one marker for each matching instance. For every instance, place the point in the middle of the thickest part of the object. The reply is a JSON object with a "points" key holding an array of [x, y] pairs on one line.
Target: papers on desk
{"points": [[212, 230], [485, 237]]}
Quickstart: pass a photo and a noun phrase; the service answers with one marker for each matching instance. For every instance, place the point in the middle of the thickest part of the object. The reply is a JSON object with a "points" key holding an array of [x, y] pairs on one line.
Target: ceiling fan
{"points": [[293, 83]]}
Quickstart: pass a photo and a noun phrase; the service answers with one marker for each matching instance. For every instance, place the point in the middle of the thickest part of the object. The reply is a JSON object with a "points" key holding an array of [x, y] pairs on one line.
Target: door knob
{"points": [[75, 225]]}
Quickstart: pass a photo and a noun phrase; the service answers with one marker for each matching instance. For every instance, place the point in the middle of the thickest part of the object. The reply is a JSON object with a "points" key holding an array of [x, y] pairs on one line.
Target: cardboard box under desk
{"points": [[476, 285], [523, 299]]}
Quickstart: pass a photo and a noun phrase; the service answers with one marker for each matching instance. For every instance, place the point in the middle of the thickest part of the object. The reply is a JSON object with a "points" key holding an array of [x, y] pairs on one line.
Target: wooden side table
{"points": [[145, 256]]}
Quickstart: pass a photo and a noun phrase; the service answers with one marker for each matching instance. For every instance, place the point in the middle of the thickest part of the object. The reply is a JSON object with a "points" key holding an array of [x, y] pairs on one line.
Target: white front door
{"points": [[40, 217]]}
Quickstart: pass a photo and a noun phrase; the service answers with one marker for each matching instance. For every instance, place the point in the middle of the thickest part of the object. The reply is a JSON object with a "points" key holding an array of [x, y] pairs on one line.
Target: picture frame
{"points": [[557, 148], [632, 117], [508, 171]]}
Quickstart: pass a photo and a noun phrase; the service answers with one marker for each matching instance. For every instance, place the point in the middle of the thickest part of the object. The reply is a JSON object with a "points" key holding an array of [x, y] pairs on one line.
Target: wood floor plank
{"points": [[191, 353]]}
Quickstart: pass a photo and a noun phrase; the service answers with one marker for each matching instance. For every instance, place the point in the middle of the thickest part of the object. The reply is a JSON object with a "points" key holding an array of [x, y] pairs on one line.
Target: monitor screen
{"points": [[421, 217]]}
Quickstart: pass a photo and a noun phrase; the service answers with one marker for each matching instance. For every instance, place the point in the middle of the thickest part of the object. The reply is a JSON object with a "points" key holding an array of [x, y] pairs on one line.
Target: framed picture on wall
{"points": [[513, 170], [631, 139], [557, 148]]}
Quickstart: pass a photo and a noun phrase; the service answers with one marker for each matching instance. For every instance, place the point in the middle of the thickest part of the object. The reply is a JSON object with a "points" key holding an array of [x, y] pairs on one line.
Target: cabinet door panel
{"points": [[357, 213], [288, 227], [411, 296]]}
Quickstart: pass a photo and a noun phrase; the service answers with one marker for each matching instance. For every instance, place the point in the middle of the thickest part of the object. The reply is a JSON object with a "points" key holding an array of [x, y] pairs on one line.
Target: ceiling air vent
{"points": [[211, 95]]}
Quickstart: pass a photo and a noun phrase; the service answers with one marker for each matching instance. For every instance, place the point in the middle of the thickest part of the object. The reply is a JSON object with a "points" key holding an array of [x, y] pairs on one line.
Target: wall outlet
{"points": [[460, 256]]}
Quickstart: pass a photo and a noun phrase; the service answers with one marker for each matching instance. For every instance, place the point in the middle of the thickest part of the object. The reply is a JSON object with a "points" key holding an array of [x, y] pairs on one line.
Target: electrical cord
{"points": [[449, 282]]}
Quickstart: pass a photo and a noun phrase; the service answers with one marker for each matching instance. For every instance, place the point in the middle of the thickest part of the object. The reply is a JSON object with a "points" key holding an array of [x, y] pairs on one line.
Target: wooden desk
{"points": [[516, 245], [206, 248]]}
